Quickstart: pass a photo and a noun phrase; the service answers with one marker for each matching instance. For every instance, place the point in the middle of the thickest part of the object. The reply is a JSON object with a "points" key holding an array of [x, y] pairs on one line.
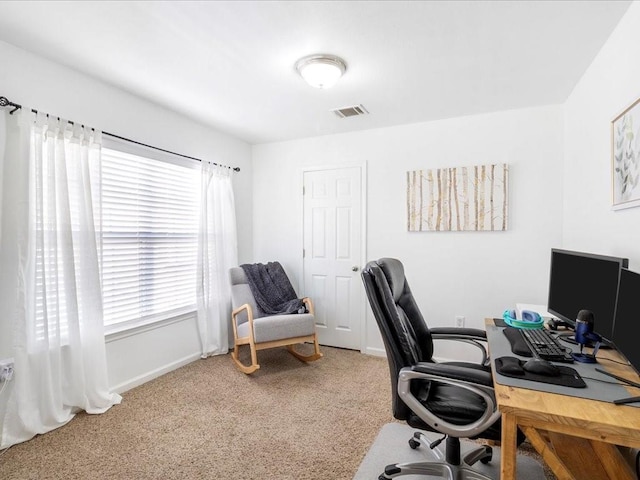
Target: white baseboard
{"points": [[380, 352], [140, 379], [376, 352], [445, 360]]}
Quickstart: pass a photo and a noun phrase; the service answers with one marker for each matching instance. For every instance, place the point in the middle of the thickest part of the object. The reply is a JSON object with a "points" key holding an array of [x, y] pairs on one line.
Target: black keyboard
{"points": [[545, 346]]}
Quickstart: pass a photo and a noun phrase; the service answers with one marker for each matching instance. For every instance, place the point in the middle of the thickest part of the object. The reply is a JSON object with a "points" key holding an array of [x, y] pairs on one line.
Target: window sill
{"points": [[128, 329]]}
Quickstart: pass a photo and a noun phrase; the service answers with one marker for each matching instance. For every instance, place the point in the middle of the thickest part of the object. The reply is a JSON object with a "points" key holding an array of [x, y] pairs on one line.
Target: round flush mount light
{"points": [[321, 71]]}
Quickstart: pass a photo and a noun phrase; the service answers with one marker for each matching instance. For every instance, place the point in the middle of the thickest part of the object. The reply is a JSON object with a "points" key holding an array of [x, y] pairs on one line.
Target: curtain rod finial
{"points": [[5, 102]]}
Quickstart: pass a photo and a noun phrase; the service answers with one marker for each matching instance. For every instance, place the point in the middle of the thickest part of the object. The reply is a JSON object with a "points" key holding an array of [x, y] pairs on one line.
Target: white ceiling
{"points": [[230, 65]]}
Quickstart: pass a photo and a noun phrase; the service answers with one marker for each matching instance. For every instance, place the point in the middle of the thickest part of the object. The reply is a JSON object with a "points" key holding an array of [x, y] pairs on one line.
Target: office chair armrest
{"points": [[467, 332], [467, 335], [455, 372], [451, 375]]}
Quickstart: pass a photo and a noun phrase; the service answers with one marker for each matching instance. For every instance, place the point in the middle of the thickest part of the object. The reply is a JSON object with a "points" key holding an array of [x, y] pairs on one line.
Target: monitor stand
{"points": [[570, 338]]}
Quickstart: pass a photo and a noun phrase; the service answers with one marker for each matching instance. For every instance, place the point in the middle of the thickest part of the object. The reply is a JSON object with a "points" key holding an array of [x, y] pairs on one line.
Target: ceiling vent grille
{"points": [[352, 111]]}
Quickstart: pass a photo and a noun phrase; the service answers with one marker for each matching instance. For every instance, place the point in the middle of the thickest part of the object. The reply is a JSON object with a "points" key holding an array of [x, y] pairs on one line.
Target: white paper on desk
{"points": [[540, 309]]}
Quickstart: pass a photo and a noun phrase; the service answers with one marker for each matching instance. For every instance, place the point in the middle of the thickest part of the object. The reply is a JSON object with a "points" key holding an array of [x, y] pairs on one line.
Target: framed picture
{"points": [[458, 199], [625, 157]]}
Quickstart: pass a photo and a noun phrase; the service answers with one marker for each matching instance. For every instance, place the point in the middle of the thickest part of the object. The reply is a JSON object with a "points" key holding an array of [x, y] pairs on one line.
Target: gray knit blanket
{"points": [[272, 289]]}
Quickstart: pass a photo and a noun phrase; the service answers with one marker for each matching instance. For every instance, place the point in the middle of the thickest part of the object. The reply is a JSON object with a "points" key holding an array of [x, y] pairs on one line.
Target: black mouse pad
{"points": [[568, 376]]}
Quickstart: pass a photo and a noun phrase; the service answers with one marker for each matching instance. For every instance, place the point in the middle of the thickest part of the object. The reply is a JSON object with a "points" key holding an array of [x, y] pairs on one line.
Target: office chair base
{"points": [[420, 439], [448, 464], [483, 454], [442, 470]]}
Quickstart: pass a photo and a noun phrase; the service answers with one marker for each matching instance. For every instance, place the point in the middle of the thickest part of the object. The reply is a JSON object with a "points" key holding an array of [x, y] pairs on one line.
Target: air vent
{"points": [[352, 111]]}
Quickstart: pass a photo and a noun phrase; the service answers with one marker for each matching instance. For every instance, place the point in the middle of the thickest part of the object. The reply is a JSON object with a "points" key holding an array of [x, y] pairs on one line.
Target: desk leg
{"points": [[612, 461], [508, 447]]}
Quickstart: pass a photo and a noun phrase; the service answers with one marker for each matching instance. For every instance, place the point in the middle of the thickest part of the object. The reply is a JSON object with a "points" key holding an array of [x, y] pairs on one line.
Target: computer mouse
{"points": [[541, 367]]}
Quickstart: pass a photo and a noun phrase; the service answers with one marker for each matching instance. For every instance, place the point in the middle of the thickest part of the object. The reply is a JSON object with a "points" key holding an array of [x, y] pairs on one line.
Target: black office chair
{"points": [[453, 398]]}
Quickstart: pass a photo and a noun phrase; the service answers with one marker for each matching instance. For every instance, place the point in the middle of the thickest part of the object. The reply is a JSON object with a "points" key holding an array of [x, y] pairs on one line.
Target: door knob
{"points": [[354, 268]]}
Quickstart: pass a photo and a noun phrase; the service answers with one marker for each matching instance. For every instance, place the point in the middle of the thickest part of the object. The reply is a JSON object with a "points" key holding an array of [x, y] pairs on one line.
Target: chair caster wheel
{"points": [[413, 443]]}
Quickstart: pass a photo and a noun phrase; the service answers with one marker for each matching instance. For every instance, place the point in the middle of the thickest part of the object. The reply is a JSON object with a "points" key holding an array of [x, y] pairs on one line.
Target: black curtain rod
{"points": [[4, 102]]}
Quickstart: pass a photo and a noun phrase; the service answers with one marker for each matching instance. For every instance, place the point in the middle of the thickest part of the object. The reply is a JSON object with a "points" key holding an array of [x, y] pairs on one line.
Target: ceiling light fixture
{"points": [[321, 71]]}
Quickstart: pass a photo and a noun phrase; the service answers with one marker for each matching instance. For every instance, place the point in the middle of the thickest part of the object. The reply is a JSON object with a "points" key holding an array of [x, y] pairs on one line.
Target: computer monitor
{"points": [[585, 281], [625, 336]]}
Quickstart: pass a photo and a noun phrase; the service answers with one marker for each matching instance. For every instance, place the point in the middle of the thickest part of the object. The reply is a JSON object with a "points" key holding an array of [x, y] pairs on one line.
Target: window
{"points": [[149, 237]]}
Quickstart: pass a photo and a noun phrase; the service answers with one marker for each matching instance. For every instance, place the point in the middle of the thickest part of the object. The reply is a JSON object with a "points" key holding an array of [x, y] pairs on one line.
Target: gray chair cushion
{"points": [[277, 327]]}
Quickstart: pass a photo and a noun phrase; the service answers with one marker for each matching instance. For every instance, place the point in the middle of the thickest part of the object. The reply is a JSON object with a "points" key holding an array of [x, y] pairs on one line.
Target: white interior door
{"points": [[333, 252]]}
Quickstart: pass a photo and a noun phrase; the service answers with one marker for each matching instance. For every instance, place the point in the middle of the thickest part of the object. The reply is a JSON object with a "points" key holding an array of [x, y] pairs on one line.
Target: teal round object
{"points": [[513, 322]]}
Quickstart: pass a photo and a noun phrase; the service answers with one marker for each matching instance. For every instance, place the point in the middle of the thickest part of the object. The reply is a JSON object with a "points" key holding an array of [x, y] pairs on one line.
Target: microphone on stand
{"points": [[585, 335]]}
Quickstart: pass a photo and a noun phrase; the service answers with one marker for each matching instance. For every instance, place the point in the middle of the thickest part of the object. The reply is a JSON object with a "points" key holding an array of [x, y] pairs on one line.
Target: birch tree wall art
{"points": [[471, 198]]}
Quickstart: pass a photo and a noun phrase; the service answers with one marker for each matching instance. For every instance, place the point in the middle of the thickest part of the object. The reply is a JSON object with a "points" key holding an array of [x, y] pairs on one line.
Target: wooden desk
{"points": [[576, 437]]}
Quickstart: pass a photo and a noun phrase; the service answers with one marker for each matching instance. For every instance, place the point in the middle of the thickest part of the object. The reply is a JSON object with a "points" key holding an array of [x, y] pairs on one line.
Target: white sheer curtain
{"points": [[57, 319], [217, 253]]}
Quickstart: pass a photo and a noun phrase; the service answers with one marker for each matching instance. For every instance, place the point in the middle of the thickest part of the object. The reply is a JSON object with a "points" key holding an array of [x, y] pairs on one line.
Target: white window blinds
{"points": [[149, 237]]}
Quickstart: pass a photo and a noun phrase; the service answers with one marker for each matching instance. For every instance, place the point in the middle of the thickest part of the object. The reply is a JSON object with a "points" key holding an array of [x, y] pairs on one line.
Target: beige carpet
{"points": [[289, 420]]}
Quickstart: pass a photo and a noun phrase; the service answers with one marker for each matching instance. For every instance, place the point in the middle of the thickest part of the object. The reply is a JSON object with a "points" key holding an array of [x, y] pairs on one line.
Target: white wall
{"points": [[475, 274], [609, 86], [37, 83], [471, 274]]}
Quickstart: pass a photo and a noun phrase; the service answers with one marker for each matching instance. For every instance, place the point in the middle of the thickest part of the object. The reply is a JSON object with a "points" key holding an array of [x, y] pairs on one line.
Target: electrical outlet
{"points": [[6, 369], [459, 321]]}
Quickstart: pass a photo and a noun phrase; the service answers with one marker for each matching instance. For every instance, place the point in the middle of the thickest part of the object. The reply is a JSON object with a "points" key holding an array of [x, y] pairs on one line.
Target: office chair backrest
{"points": [[405, 334]]}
